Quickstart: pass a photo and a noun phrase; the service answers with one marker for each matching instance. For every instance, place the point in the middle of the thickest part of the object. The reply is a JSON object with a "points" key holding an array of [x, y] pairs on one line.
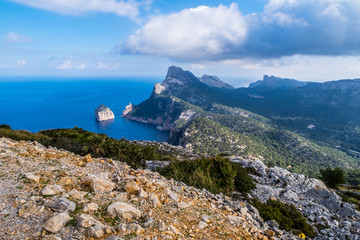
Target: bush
{"points": [[287, 216], [216, 174], [332, 177]]}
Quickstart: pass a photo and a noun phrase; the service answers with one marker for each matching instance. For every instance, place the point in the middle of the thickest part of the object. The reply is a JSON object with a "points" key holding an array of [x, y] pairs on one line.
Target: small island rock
{"points": [[103, 113]]}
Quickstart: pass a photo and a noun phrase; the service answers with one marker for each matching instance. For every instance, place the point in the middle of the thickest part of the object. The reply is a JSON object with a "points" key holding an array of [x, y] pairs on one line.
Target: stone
{"points": [[51, 237], [132, 188], [65, 181], [155, 200], [130, 228], [143, 194], [30, 209], [202, 225], [90, 207], [95, 231], [346, 212], [62, 205], [32, 177], [182, 205], [86, 221], [174, 229], [77, 194], [99, 183], [103, 113], [123, 210], [171, 194], [121, 197], [205, 219], [56, 223], [50, 190], [270, 233]]}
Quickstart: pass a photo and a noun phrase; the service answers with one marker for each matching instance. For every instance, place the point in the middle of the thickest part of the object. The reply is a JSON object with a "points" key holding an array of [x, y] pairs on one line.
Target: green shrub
{"points": [[332, 177], [216, 174], [287, 216]]}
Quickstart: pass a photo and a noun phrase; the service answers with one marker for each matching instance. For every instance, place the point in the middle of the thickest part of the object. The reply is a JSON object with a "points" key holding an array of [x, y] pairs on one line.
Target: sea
{"points": [[41, 103]]}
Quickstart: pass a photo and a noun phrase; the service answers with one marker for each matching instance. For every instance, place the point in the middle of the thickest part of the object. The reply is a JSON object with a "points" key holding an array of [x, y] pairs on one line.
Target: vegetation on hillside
{"points": [[84, 142], [216, 174], [287, 216], [332, 177]]}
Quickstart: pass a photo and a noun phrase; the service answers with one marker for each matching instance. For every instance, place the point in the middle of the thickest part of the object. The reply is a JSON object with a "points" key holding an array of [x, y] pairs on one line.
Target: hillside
{"points": [[204, 119], [54, 194]]}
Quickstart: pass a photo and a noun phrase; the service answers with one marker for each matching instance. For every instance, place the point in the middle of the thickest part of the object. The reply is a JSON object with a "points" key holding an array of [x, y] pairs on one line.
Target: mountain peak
{"points": [[214, 81], [273, 82]]}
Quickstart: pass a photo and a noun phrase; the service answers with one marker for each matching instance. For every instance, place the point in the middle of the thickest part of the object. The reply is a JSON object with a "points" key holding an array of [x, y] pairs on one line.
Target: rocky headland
{"points": [[103, 113]]}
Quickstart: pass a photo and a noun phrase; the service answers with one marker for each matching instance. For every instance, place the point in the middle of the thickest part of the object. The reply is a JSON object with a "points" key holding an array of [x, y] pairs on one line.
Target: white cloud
{"points": [[14, 37], [197, 66], [67, 65], [108, 66], [284, 28], [119, 7], [195, 33], [21, 63]]}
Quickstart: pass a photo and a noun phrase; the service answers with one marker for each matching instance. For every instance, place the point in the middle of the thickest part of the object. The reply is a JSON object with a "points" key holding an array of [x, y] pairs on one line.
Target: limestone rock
{"points": [[172, 195], [132, 188], [30, 209], [32, 177], [99, 183], [56, 223], [123, 210], [130, 228], [90, 207], [143, 194], [63, 205], [52, 190], [155, 200], [103, 113], [86, 221], [95, 231]]}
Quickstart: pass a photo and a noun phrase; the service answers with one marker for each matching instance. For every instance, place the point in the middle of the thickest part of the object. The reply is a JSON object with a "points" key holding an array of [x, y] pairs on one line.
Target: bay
{"points": [[41, 103]]}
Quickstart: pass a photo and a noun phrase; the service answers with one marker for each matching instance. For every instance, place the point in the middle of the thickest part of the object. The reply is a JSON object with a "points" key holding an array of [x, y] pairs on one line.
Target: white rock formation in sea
{"points": [[103, 113]]}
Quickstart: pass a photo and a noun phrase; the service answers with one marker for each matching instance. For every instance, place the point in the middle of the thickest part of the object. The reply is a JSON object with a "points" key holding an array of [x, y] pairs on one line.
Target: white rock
{"points": [[95, 231], [172, 195], [86, 221], [103, 113], [32, 177], [99, 183], [202, 225], [90, 207], [52, 190], [123, 210], [56, 223]]}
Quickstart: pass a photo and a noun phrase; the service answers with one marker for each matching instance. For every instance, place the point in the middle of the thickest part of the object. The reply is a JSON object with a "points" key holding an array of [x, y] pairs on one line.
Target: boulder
{"points": [[90, 207], [52, 190], [32, 177], [86, 221], [132, 188], [62, 205], [95, 231], [99, 183], [123, 210], [56, 223]]}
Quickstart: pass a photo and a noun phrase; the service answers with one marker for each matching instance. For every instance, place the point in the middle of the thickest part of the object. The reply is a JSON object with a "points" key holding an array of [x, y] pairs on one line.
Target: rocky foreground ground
{"points": [[47, 193]]}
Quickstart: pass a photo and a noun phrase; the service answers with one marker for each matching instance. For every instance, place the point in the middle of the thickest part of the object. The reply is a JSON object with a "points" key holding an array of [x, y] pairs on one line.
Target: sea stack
{"points": [[103, 113]]}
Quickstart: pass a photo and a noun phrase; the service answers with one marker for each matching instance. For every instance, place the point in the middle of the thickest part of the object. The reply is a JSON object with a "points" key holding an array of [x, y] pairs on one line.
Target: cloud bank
{"points": [[73, 7], [195, 33], [284, 28]]}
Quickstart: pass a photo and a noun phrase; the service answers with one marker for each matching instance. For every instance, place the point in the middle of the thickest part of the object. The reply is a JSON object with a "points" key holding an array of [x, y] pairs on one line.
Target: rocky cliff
{"points": [[103, 113], [273, 82]]}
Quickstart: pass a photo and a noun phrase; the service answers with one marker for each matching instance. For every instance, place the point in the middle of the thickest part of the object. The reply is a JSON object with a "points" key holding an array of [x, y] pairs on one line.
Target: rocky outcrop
{"points": [[103, 113], [106, 199], [214, 81], [272, 82], [320, 205]]}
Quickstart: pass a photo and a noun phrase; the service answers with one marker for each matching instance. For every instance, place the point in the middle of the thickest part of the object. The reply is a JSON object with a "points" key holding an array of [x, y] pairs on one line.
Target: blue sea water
{"points": [[36, 104]]}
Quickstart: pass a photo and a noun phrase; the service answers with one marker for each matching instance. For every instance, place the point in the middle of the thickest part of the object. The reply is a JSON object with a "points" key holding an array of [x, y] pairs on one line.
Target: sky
{"points": [[309, 40]]}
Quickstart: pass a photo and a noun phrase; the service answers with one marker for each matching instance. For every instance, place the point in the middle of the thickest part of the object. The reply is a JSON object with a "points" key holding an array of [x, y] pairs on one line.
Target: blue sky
{"points": [[303, 39]]}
